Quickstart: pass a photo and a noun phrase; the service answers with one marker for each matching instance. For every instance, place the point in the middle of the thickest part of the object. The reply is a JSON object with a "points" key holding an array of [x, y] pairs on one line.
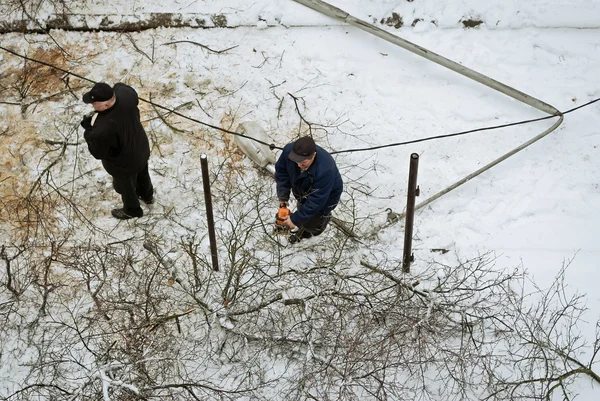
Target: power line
{"points": [[270, 145], [273, 146], [466, 132]]}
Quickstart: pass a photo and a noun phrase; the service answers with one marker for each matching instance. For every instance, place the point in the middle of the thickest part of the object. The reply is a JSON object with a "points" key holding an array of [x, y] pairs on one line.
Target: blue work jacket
{"points": [[318, 189]]}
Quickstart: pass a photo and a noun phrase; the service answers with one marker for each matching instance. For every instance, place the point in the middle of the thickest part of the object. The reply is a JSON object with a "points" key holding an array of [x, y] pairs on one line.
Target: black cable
{"points": [[579, 107], [430, 138], [467, 132], [272, 146]]}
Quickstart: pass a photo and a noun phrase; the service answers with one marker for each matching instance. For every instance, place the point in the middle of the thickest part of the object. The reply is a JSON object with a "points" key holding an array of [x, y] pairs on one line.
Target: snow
{"points": [[537, 210]]}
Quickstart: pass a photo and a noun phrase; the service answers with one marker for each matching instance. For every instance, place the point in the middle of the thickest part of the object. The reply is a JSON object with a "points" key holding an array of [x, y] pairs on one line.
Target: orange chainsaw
{"points": [[282, 214]]}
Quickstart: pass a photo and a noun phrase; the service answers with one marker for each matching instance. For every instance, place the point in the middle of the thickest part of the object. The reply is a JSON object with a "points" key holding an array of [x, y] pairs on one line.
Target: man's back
{"points": [[118, 137]]}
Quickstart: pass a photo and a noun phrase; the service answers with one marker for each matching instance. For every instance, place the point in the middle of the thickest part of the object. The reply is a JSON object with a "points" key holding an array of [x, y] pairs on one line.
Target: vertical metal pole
{"points": [[410, 212], [209, 212]]}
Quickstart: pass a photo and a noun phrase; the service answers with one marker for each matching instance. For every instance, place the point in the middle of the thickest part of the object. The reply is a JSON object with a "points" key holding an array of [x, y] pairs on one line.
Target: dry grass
{"points": [[46, 79], [23, 205], [31, 79]]}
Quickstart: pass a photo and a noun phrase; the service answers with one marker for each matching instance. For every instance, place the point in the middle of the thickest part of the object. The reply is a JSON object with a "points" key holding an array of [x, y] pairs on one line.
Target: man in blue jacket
{"points": [[117, 137], [310, 173]]}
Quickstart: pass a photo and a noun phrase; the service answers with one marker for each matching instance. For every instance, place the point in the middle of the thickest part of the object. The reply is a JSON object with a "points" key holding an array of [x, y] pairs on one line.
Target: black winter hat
{"points": [[101, 92], [303, 149]]}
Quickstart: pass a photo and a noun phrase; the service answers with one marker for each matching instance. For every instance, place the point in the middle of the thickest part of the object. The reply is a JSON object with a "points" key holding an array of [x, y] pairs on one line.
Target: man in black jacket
{"points": [[117, 137]]}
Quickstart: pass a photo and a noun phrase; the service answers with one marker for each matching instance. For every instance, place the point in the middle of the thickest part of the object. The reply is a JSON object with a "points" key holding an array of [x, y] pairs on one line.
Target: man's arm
{"points": [[316, 200], [100, 142], [282, 179]]}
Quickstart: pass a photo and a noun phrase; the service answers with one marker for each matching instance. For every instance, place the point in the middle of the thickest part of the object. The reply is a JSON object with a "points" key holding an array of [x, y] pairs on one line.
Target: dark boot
{"points": [[294, 238], [298, 236], [121, 214], [146, 200]]}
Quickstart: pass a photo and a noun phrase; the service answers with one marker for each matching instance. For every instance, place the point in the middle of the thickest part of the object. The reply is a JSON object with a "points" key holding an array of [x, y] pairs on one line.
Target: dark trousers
{"points": [[314, 226], [130, 186]]}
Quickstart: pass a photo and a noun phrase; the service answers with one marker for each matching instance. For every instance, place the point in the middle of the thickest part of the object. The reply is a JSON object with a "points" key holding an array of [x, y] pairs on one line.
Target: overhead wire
{"points": [[273, 146], [489, 128]]}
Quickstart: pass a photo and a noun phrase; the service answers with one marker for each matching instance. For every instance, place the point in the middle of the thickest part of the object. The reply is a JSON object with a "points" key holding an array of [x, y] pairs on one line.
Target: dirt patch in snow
{"points": [[469, 22], [395, 21]]}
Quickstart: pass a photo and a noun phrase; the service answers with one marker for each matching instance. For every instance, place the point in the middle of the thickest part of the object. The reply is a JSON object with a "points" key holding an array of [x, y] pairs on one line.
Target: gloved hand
{"points": [[86, 123]]}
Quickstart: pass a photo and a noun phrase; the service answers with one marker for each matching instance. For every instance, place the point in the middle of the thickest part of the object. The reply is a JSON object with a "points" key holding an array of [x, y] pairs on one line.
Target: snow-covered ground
{"points": [[537, 210]]}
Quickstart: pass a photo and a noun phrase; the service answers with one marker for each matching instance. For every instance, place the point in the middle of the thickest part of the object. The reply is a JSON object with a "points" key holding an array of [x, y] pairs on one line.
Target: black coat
{"points": [[118, 137]]}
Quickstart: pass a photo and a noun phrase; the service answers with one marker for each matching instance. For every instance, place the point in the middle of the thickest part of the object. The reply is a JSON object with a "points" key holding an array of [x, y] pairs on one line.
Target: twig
{"points": [[201, 45], [280, 60], [143, 53], [163, 319], [233, 92], [265, 59], [300, 114], [163, 119], [63, 51], [201, 108], [38, 181], [25, 106], [279, 107], [275, 85], [9, 274], [61, 143]]}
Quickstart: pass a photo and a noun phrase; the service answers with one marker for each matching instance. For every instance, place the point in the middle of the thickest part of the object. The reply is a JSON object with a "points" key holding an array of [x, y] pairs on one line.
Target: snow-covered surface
{"points": [[537, 209]]}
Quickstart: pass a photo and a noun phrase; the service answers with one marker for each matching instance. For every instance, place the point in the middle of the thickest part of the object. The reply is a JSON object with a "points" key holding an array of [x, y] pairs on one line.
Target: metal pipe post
{"points": [[410, 212], [209, 212]]}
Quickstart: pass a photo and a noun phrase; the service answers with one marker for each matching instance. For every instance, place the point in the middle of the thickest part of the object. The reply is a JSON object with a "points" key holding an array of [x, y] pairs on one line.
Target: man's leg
{"points": [[125, 186], [311, 228], [143, 186], [316, 225]]}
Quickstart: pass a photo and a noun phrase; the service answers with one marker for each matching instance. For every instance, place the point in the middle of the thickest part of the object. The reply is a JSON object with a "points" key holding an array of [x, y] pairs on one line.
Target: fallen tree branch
{"points": [[61, 143], [164, 120], [201, 45], [143, 53]]}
